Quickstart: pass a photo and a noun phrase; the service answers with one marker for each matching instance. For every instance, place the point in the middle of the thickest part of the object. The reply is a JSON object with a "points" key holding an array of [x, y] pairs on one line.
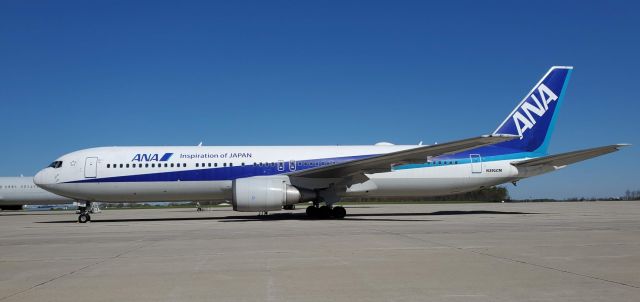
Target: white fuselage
{"points": [[138, 174], [22, 191]]}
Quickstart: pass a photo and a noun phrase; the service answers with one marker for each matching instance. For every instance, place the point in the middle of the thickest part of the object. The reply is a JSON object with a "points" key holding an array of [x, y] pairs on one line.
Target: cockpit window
{"points": [[56, 164]]}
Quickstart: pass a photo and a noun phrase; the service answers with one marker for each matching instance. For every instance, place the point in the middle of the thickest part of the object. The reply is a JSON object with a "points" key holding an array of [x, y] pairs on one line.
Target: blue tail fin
{"points": [[534, 117]]}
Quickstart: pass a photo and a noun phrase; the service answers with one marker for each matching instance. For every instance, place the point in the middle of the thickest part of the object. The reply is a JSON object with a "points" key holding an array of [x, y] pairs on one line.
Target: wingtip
{"points": [[504, 136]]}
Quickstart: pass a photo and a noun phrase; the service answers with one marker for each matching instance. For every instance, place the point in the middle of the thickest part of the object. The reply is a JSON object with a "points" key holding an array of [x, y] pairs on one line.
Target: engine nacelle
{"points": [[262, 194]]}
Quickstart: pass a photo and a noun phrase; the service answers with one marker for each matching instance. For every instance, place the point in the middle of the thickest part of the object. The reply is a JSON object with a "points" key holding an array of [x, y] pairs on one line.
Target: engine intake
{"points": [[262, 194]]}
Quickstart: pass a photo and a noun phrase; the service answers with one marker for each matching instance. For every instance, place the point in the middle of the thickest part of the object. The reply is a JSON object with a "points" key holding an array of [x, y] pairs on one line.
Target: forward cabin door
{"points": [[91, 167], [476, 163]]}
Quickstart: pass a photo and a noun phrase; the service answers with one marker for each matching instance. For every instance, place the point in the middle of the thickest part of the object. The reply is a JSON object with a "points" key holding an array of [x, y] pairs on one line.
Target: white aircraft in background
{"points": [[15, 192], [261, 179]]}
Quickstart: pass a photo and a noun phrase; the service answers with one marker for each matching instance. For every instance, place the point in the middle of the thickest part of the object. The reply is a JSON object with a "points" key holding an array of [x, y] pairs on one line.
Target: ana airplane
{"points": [[16, 192], [261, 179]]}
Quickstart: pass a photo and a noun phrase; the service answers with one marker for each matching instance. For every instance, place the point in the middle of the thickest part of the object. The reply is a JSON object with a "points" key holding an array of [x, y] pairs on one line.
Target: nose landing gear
{"points": [[84, 216]]}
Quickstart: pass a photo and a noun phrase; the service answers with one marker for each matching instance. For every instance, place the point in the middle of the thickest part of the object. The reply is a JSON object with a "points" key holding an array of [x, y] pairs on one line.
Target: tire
{"points": [[324, 212], [83, 218], [339, 212], [311, 211]]}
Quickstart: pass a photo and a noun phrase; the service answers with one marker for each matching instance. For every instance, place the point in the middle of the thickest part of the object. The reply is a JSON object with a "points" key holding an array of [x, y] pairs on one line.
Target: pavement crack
{"points": [[74, 271], [514, 260], [548, 267]]}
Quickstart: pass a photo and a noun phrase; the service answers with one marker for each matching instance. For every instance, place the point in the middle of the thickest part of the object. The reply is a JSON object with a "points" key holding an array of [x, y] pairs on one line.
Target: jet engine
{"points": [[262, 194]]}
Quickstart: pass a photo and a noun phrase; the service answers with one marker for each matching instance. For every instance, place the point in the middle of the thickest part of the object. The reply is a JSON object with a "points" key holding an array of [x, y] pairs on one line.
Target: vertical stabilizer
{"points": [[534, 117]]}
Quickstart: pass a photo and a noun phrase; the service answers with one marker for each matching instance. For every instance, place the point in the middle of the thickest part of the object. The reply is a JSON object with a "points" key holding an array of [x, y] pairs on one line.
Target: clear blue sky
{"points": [[92, 73]]}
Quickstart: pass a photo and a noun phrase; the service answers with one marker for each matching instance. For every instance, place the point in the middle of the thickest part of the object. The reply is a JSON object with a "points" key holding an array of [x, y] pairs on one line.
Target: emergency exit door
{"points": [[91, 167]]}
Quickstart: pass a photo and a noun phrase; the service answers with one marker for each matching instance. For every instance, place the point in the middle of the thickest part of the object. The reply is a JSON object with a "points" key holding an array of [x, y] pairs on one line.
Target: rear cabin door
{"points": [[91, 167], [476, 163]]}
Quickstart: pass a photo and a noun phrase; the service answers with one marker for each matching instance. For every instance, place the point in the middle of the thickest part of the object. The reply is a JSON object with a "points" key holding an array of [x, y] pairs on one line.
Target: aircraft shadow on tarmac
{"points": [[303, 216]]}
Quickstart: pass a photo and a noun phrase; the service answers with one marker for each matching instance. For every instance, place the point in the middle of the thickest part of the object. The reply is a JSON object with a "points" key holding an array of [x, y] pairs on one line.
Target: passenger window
{"points": [[230, 164], [224, 164], [120, 165], [197, 165], [209, 165], [108, 166], [171, 165], [127, 165], [215, 164]]}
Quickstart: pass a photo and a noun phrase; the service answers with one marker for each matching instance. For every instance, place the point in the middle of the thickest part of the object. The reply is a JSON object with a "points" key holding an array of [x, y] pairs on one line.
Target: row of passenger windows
{"points": [[212, 165], [437, 163], [166, 165], [20, 186]]}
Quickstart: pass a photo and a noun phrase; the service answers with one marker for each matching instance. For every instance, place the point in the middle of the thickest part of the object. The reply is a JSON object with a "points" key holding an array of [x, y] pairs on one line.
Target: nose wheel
{"points": [[84, 216]]}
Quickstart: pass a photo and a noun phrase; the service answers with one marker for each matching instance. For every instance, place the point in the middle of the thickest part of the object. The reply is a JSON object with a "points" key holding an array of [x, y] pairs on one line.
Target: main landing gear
{"points": [[84, 216], [324, 212]]}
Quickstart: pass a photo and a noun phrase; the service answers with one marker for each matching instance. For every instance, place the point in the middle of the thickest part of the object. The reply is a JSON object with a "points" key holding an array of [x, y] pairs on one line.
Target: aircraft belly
{"points": [[432, 181], [150, 191]]}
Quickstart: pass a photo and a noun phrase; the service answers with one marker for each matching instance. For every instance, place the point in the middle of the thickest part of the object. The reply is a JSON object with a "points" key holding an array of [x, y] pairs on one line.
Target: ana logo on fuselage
{"points": [[523, 118], [151, 157]]}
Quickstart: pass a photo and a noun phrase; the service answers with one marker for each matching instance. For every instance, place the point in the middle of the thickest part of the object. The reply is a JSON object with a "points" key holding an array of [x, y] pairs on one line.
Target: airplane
{"points": [[272, 178], [15, 192]]}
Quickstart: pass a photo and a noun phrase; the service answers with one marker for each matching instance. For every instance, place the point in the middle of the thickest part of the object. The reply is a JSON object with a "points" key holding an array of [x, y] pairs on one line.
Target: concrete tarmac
{"points": [[582, 251]]}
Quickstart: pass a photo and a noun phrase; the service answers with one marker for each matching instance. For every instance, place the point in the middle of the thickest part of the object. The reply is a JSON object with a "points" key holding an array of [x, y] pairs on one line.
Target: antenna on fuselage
{"points": [[200, 144]]}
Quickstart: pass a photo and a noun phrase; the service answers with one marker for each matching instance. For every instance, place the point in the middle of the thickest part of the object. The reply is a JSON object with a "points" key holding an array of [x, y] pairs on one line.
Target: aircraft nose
{"points": [[41, 178]]}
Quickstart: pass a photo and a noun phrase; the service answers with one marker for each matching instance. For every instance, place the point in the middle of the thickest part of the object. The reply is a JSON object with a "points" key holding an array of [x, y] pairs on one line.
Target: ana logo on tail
{"points": [[523, 119]]}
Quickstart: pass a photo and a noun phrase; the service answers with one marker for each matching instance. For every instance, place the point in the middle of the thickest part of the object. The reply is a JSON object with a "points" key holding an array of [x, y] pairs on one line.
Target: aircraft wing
{"points": [[563, 159], [382, 163]]}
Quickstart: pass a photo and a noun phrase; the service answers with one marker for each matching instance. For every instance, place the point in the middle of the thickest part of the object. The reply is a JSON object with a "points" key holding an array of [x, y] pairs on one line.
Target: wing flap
{"points": [[563, 159], [384, 162]]}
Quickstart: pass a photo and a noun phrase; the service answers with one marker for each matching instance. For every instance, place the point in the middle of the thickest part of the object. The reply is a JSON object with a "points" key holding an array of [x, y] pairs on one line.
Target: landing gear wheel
{"points": [[84, 218], [324, 212], [338, 212], [311, 211]]}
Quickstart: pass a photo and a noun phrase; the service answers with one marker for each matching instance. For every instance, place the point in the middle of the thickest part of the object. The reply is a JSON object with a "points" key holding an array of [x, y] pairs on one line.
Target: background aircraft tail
{"points": [[535, 116]]}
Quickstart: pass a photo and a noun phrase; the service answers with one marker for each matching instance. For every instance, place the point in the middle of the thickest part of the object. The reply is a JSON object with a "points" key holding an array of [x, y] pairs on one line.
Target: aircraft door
{"points": [[91, 167], [476, 163], [281, 166]]}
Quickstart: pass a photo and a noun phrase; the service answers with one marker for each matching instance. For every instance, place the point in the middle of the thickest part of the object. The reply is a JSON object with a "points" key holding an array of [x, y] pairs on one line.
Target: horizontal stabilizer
{"points": [[563, 159]]}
